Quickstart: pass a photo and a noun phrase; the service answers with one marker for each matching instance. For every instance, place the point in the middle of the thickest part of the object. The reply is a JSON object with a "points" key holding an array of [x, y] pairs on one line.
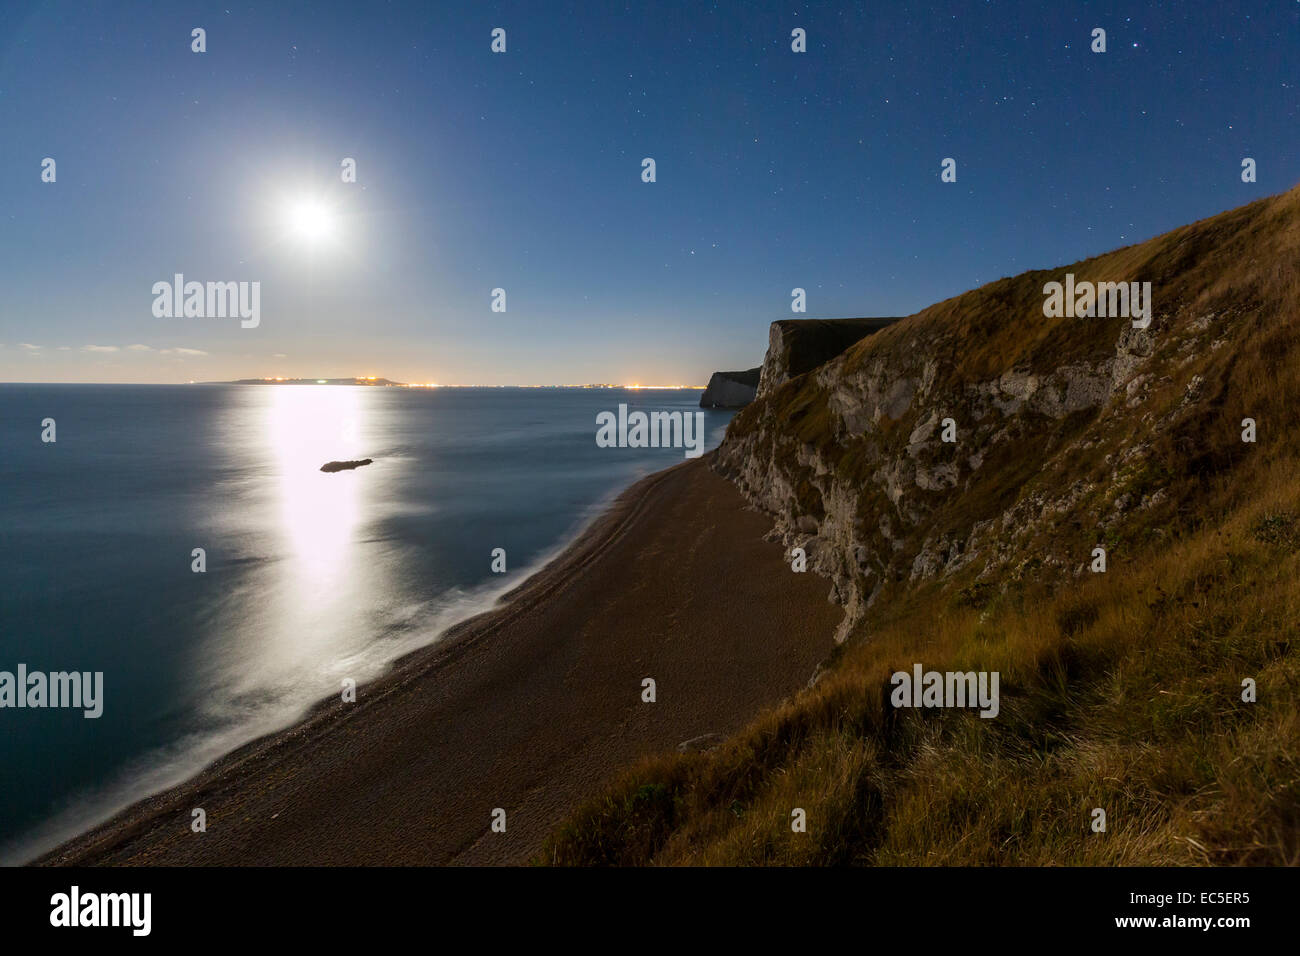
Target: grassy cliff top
{"points": [[1120, 690]]}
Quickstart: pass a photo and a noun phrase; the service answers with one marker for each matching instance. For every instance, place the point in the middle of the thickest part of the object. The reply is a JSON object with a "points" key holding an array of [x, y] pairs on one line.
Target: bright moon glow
{"points": [[309, 220]]}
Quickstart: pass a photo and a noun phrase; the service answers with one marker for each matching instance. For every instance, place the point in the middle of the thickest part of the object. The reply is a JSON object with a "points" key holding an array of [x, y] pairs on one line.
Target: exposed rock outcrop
{"points": [[333, 466], [979, 441]]}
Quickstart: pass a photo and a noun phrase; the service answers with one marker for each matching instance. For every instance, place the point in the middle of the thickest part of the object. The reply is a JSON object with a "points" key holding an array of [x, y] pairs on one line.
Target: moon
{"points": [[309, 220]]}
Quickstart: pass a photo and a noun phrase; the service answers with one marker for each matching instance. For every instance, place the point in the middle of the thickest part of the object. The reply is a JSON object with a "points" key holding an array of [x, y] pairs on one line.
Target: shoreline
{"points": [[487, 714], [33, 846]]}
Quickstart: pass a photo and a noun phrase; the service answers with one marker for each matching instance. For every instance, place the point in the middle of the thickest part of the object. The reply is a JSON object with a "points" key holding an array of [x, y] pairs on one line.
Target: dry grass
{"points": [[1119, 690]]}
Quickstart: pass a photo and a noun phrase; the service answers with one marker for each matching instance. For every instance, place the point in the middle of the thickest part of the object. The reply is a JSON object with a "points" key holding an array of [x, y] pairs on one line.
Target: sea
{"points": [[182, 541]]}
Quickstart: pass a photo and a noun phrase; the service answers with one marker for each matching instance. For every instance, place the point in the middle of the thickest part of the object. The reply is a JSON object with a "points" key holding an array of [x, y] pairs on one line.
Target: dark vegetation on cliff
{"points": [[1120, 690], [796, 346]]}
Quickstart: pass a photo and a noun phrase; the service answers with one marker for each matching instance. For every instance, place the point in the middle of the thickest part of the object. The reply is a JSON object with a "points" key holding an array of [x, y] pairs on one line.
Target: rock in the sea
{"points": [[730, 389], [332, 466]]}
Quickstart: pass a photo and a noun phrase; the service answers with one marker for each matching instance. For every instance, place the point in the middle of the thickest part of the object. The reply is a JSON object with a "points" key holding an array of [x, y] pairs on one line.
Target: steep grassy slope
{"points": [[1120, 690]]}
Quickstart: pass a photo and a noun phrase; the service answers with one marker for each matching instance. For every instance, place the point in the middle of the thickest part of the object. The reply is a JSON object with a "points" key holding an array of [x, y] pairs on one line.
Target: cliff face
{"points": [[796, 346], [730, 389], [1163, 691], [1069, 433]]}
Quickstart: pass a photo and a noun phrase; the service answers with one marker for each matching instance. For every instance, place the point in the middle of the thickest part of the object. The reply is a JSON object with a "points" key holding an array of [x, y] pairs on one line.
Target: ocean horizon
{"points": [[307, 579]]}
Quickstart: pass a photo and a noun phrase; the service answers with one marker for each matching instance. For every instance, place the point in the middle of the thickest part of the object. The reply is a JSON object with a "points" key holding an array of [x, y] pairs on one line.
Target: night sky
{"points": [[522, 171]]}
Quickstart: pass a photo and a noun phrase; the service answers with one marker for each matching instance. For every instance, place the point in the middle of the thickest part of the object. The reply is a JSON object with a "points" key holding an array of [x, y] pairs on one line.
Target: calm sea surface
{"points": [[311, 577]]}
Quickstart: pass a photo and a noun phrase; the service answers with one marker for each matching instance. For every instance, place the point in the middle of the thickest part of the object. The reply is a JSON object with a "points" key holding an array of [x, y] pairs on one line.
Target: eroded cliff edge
{"points": [[730, 389], [1064, 429]]}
